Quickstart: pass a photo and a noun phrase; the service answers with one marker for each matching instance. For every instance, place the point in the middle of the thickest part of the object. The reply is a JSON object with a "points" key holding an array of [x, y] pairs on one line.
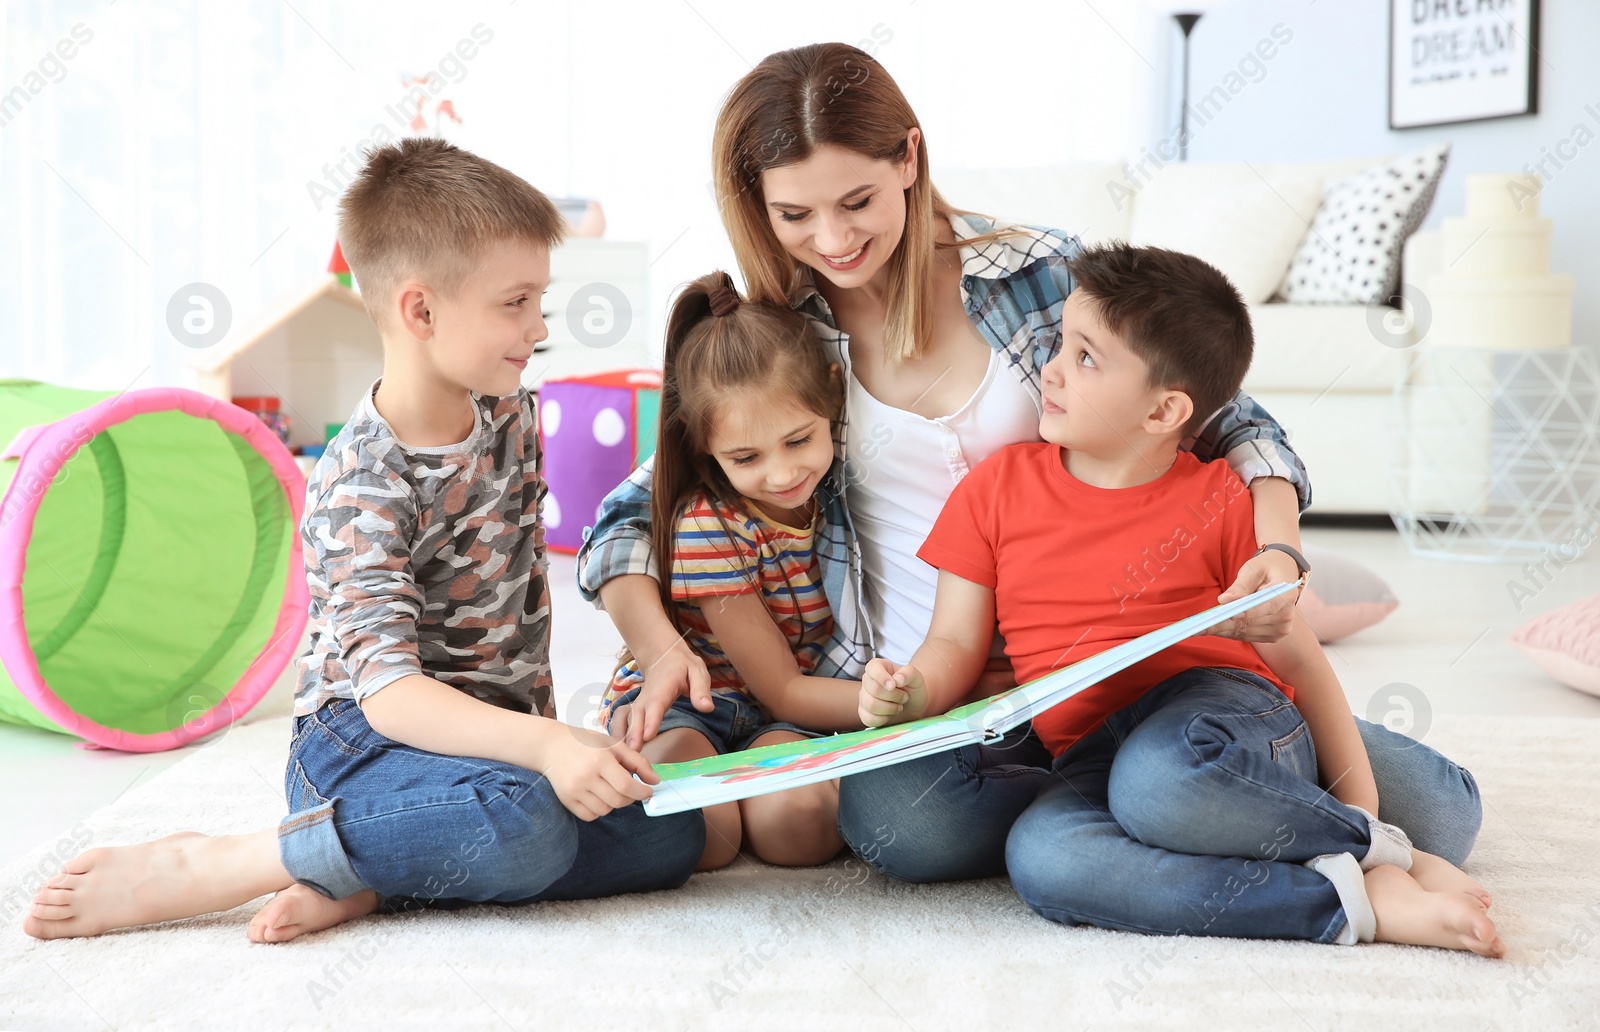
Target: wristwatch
{"points": [[1293, 553]]}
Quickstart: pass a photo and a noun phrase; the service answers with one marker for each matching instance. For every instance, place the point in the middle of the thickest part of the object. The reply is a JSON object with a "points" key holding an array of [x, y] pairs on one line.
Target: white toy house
{"points": [[315, 351]]}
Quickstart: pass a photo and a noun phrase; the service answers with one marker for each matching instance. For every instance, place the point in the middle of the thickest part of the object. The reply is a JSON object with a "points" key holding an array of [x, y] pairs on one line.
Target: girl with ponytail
{"points": [[745, 445]]}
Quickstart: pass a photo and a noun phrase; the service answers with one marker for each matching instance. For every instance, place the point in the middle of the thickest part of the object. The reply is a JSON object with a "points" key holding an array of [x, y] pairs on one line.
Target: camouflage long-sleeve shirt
{"points": [[429, 561]]}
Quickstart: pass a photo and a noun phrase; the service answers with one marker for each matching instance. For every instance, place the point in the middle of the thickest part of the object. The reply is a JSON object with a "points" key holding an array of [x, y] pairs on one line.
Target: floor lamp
{"points": [[1186, 21]]}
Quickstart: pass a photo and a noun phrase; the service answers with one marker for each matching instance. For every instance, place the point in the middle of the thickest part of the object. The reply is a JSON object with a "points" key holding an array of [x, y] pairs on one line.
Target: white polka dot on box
{"points": [[595, 430], [608, 428]]}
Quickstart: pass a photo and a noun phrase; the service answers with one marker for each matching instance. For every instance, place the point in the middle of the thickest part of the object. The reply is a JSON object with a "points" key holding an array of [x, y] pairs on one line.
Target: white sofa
{"points": [[1326, 372]]}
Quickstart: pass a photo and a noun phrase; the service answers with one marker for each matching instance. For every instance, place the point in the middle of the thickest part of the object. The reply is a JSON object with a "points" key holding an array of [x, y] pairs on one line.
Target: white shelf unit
{"points": [[596, 310]]}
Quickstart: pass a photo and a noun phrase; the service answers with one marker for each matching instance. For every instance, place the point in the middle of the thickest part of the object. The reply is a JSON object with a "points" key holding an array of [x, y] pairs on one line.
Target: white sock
{"points": [[1361, 924], [1390, 845]]}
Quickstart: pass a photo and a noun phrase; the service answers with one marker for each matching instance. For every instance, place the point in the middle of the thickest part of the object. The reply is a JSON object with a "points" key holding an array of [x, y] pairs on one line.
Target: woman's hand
{"points": [[1271, 620]]}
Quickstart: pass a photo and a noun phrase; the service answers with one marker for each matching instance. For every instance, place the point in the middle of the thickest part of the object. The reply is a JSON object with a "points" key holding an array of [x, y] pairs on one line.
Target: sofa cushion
{"points": [[1318, 348], [1091, 199], [1352, 253], [1245, 219]]}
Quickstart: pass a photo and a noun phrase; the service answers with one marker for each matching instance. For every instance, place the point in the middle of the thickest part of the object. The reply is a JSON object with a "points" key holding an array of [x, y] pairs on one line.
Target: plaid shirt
{"points": [[1012, 289]]}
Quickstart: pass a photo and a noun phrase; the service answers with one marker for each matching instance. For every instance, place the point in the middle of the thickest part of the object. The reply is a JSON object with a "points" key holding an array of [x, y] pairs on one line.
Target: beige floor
{"points": [[1447, 641], [831, 947]]}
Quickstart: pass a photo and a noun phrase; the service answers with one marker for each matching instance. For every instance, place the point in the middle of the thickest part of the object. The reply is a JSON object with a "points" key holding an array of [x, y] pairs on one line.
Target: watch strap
{"points": [[1291, 552]]}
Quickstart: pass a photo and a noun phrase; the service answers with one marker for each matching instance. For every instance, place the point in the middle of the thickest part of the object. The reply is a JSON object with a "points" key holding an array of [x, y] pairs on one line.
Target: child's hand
{"points": [[640, 721], [592, 773], [1269, 621], [676, 671], [891, 694]]}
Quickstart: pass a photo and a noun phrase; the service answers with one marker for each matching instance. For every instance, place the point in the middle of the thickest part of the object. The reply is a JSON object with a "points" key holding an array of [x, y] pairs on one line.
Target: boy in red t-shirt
{"points": [[1189, 780]]}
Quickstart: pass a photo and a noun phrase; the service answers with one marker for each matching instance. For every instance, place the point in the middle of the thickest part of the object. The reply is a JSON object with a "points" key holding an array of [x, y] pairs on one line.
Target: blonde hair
{"points": [[426, 208], [784, 109]]}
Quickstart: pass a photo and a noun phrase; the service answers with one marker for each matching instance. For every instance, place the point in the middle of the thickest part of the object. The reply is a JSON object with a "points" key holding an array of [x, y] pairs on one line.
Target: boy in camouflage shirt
{"points": [[427, 767]]}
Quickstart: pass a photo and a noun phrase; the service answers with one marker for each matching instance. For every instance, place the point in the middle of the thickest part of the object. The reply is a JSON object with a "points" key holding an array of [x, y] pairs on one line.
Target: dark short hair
{"points": [[1177, 313]]}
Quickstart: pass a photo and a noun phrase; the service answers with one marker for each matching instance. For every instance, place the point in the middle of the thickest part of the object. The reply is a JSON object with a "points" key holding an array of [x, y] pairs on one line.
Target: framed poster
{"points": [[1462, 60]]}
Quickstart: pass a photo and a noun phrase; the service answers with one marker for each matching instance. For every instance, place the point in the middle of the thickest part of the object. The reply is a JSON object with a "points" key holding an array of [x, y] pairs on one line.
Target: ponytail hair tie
{"points": [[723, 298]]}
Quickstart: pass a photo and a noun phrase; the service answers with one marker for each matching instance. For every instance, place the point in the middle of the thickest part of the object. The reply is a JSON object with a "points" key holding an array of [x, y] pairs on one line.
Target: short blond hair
{"points": [[426, 208]]}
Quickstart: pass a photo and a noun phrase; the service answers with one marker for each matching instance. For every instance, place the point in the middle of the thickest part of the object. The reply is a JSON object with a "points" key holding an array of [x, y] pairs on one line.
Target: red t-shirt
{"points": [[1079, 569]]}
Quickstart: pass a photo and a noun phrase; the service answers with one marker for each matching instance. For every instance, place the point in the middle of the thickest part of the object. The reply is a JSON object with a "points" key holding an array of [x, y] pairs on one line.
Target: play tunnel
{"points": [[151, 588]]}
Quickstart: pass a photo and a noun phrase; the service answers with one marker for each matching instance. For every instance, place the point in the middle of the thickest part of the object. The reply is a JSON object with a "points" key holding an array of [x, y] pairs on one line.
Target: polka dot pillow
{"points": [[1351, 255], [1565, 643]]}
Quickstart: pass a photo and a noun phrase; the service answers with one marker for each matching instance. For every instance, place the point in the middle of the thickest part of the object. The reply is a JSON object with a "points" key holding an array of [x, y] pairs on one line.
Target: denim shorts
{"points": [[731, 726]]}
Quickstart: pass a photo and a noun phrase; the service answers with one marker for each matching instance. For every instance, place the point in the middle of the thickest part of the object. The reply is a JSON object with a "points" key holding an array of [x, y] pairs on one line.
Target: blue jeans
{"points": [[428, 830], [733, 724], [1204, 786]]}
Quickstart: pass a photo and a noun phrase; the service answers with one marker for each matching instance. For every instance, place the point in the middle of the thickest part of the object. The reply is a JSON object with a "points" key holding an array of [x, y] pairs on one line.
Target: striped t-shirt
{"points": [[721, 550]]}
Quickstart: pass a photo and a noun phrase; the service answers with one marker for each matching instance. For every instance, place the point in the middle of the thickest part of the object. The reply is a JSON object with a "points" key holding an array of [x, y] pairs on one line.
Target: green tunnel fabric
{"points": [[155, 568]]}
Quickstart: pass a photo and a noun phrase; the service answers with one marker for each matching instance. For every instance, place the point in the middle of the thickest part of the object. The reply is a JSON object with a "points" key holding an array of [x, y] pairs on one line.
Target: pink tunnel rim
{"points": [[43, 453]]}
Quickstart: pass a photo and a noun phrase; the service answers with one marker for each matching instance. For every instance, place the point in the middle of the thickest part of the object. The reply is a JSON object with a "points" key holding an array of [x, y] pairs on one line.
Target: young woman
{"points": [[942, 321]]}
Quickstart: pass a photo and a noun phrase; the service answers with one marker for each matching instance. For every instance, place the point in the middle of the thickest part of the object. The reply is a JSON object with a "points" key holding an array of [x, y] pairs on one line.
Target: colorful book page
{"points": [[772, 768]]}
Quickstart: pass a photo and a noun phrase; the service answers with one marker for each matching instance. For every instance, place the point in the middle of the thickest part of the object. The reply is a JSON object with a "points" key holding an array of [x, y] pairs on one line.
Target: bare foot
{"points": [[1436, 874], [300, 909], [182, 875], [1408, 913]]}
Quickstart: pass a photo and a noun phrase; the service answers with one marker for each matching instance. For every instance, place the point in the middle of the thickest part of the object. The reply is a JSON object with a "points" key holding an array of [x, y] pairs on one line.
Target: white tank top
{"points": [[901, 469]]}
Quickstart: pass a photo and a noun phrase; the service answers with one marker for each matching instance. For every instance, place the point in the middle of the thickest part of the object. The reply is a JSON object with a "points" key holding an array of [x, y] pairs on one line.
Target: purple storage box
{"points": [[595, 430]]}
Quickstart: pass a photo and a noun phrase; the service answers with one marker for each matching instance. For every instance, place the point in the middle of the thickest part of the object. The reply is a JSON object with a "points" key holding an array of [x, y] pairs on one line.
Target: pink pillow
{"points": [[1343, 596], [1565, 643]]}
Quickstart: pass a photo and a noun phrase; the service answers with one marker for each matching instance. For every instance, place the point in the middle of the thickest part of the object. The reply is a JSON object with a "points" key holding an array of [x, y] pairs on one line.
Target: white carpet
{"points": [[826, 948]]}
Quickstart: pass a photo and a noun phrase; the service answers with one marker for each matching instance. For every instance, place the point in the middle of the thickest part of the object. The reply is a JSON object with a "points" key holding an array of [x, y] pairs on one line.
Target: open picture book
{"points": [[772, 768]]}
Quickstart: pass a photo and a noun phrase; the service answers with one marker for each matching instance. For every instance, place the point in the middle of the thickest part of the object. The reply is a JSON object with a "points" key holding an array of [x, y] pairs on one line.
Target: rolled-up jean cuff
{"points": [[1361, 924], [311, 852]]}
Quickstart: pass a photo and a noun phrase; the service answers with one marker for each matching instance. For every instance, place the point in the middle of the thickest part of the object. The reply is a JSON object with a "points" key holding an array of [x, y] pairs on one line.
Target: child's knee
{"points": [[724, 832], [1453, 834], [1047, 873], [1151, 779], [520, 845], [1435, 800], [879, 806], [798, 828]]}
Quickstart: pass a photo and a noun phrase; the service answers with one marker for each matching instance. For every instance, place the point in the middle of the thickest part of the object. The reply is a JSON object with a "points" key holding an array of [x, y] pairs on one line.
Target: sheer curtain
{"points": [[147, 160], [181, 142], [184, 141]]}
